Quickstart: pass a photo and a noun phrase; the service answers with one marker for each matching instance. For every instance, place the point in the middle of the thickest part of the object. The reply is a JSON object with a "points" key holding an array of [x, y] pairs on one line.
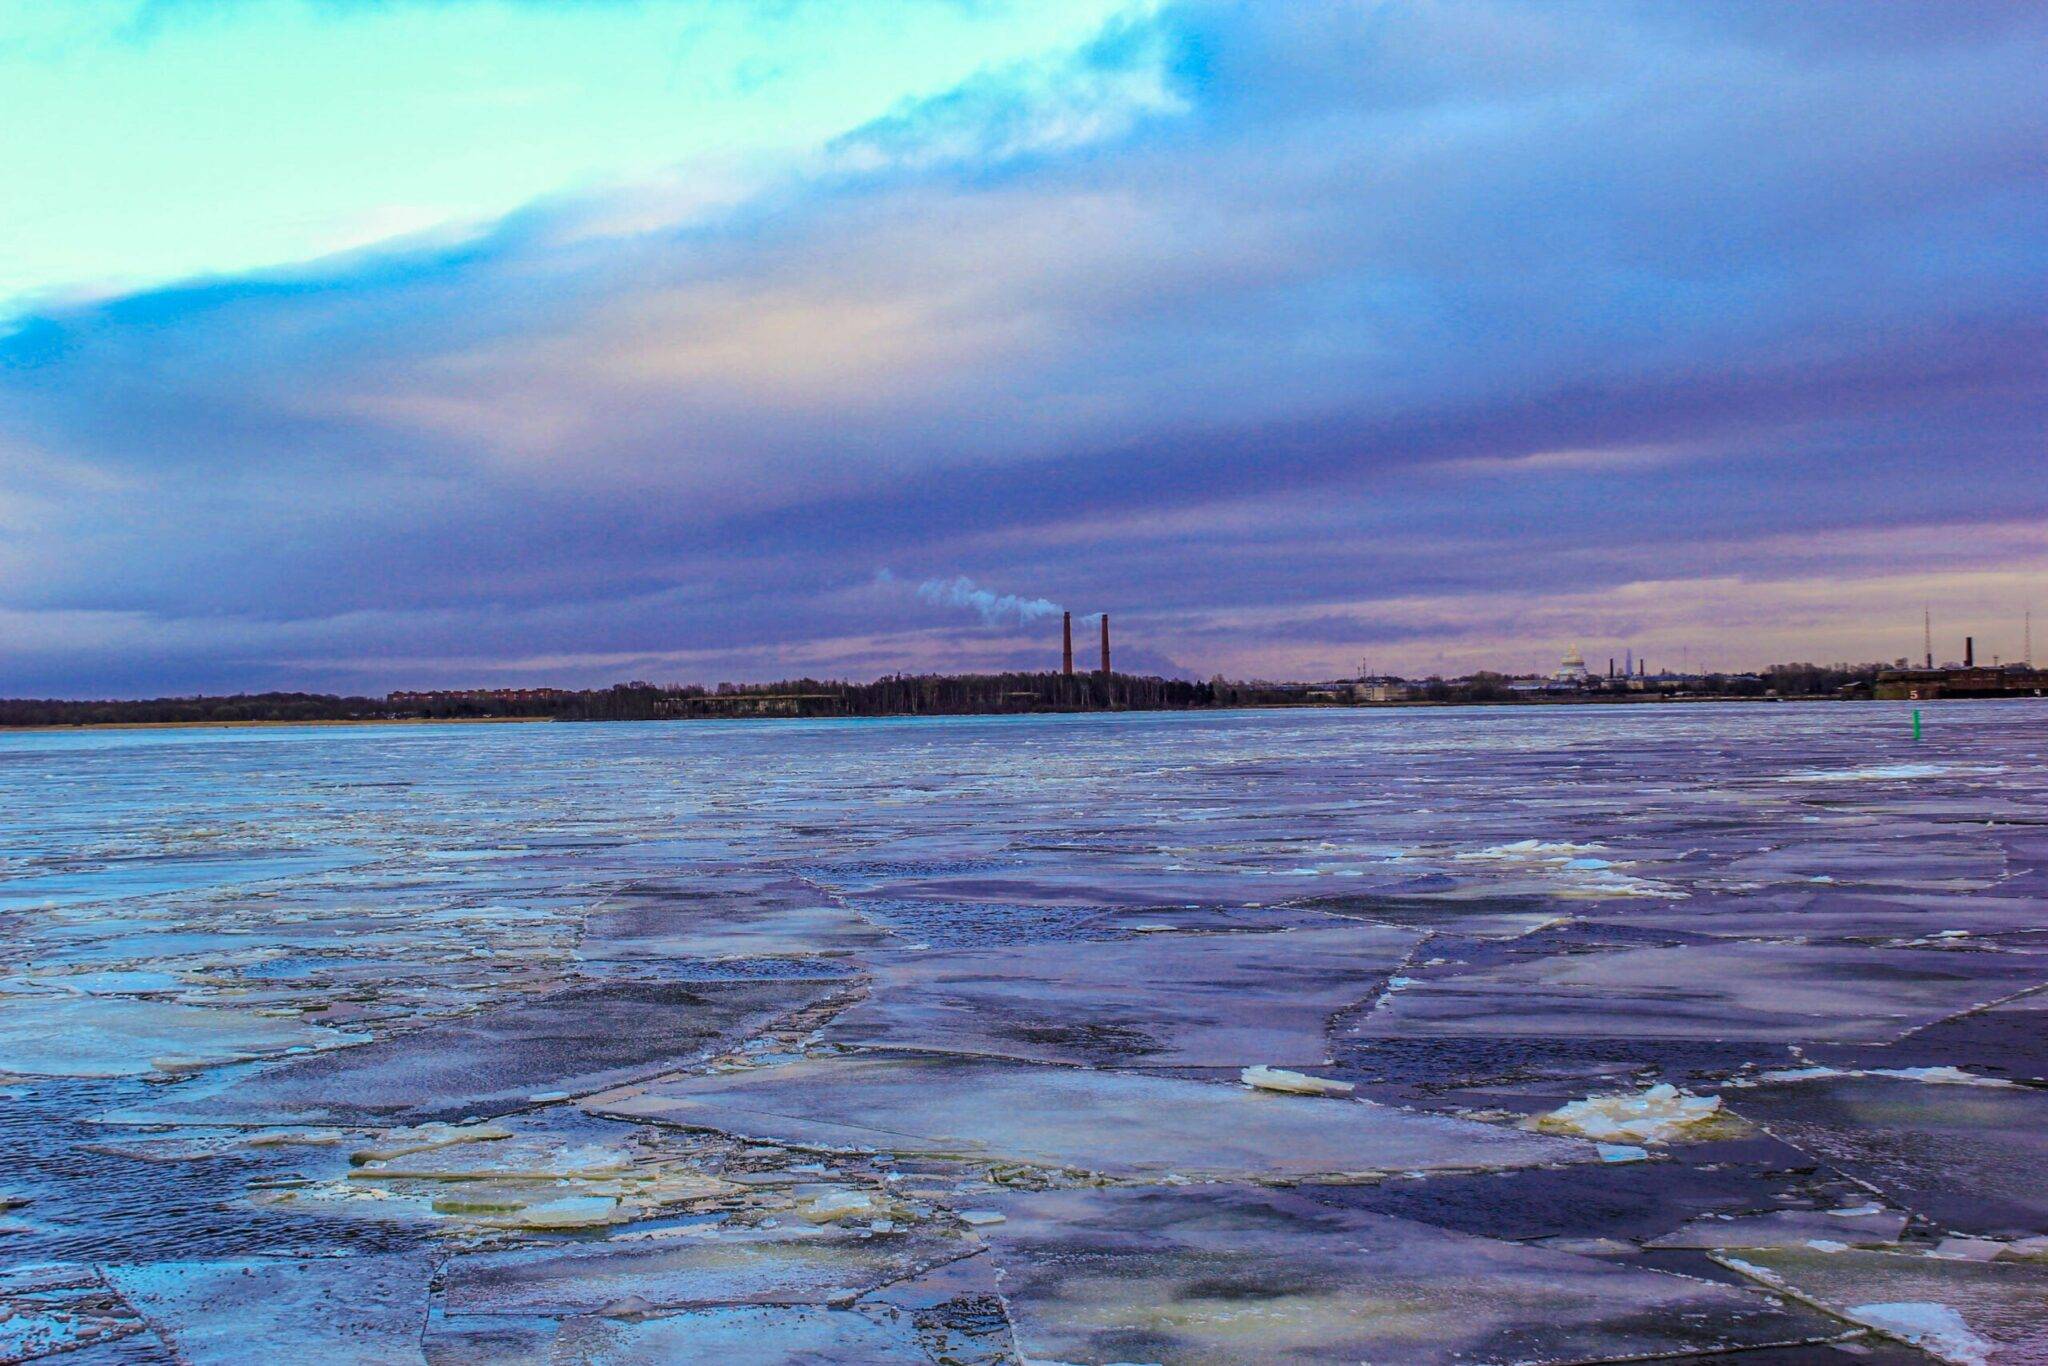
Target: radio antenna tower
{"points": [[1927, 633]]}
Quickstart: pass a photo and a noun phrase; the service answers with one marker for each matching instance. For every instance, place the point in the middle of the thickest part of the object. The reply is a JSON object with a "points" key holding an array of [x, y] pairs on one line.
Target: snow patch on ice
{"points": [[1934, 1328], [1939, 1076], [1579, 867], [1879, 773]]}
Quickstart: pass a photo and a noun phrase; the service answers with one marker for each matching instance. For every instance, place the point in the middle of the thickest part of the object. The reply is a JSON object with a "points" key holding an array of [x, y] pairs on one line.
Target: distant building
{"points": [[1381, 689], [1924, 685], [1572, 669]]}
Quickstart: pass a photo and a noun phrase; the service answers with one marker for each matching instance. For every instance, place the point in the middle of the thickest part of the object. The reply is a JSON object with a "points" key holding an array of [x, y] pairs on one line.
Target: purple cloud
{"points": [[1277, 331]]}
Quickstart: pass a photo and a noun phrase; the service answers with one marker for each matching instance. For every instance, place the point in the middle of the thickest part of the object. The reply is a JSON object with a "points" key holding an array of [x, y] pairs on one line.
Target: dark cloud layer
{"points": [[1283, 332]]}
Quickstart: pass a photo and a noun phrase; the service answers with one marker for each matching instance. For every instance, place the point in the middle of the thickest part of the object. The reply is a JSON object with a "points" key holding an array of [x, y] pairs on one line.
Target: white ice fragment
{"points": [[575, 1211], [1264, 1078], [1826, 1245], [1622, 1152], [976, 1218], [834, 1206], [1934, 1328], [425, 1138], [1658, 1115]]}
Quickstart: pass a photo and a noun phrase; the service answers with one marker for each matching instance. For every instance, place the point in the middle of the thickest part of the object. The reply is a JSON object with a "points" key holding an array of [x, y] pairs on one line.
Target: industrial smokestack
{"points": [[1105, 644], [1969, 652], [1067, 636]]}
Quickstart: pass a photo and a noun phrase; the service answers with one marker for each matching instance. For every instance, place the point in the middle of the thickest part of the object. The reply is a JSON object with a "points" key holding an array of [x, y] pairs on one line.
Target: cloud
{"points": [[1236, 323]]}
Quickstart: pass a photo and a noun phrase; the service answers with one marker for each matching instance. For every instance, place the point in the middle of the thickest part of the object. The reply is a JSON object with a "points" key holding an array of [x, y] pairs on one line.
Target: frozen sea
{"points": [[1589, 1034]]}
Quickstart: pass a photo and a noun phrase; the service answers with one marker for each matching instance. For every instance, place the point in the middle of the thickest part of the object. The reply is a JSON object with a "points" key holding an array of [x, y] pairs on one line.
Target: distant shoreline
{"points": [[1410, 704], [265, 725]]}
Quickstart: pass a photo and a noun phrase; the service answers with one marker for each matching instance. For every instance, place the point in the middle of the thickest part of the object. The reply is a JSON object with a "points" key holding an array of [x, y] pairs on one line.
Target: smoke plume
{"points": [[995, 609]]}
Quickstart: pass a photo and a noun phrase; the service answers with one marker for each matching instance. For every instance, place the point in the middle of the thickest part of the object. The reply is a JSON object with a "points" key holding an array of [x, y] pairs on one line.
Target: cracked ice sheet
{"points": [[1996, 1312], [497, 1061], [1731, 991], [1184, 1000], [1215, 1276], [1119, 1124], [112, 1036], [1969, 1157], [365, 1310], [694, 1268], [725, 915]]}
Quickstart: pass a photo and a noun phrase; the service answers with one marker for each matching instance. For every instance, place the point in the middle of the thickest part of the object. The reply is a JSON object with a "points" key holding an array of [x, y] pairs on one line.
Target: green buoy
{"points": [[1916, 723]]}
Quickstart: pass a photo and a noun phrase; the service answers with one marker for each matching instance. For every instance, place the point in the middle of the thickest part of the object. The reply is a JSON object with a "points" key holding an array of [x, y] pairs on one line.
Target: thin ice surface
{"points": [[1857, 1224], [1971, 1157], [1114, 1123], [1223, 1275], [574, 1041], [1762, 992], [115, 1036], [743, 1337], [787, 1265], [725, 913], [357, 1309], [1188, 1000]]}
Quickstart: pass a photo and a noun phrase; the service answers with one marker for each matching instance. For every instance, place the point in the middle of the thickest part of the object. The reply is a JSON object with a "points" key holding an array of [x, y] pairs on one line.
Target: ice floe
{"points": [[496, 1061], [116, 1036], [366, 1309], [792, 1265], [1197, 1000], [1116, 1124], [1220, 1275], [1712, 990]]}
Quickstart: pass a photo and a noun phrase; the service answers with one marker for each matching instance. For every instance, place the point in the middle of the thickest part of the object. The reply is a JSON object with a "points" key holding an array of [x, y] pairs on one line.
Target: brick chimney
{"points": [[1105, 644], [1067, 632]]}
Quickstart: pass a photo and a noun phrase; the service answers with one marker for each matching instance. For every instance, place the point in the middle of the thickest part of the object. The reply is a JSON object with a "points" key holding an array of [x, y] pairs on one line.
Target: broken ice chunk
{"points": [[1263, 1078], [1658, 1115], [425, 1138], [834, 1206]]}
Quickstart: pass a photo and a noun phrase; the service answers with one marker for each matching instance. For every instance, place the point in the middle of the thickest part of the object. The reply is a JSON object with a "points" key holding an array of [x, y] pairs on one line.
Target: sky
{"points": [[369, 344]]}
